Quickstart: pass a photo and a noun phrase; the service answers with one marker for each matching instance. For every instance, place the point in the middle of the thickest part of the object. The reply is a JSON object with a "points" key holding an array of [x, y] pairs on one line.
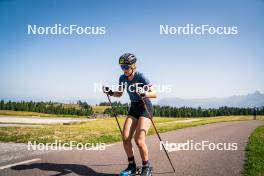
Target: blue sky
{"points": [[65, 68]]}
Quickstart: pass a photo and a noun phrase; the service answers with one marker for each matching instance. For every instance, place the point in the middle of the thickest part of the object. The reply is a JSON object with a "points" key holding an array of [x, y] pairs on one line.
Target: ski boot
{"points": [[130, 170], [146, 171]]}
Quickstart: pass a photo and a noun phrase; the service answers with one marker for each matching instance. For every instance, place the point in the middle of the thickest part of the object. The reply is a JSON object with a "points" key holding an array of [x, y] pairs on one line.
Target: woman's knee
{"points": [[126, 138], [140, 141]]}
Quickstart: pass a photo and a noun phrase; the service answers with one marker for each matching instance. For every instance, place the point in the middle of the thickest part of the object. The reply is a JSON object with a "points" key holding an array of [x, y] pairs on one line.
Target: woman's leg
{"points": [[128, 132], [143, 126]]}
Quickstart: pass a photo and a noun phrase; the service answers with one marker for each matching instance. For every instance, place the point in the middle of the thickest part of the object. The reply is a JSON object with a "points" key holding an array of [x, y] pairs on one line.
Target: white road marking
{"points": [[109, 145], [19, 163]]}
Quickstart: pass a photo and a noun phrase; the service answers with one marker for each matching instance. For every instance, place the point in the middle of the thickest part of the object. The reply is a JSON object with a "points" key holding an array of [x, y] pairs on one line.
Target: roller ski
{"points": [[142, 171]]}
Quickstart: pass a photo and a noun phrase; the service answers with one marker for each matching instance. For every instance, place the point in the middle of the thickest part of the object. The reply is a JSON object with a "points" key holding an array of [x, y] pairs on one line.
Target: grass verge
{"points": [[254, 165], [101, 130]]}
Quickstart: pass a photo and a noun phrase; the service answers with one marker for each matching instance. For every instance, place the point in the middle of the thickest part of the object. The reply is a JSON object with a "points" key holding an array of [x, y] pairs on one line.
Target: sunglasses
{"points": [[125, 67]]}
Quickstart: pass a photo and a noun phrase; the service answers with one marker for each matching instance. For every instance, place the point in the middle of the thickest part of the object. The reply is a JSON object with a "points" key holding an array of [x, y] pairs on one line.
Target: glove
{"points": [[141, 91], [107, 90]]}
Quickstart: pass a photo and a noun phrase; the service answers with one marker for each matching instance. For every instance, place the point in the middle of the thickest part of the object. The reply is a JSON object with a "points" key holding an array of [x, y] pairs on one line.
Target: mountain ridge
{"points": [[255, 99]]}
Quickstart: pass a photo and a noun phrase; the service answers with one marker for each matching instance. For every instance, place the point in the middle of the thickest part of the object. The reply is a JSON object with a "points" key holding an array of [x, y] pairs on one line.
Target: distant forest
{"points": [[168, 111], [84, 109], [80, 109]]}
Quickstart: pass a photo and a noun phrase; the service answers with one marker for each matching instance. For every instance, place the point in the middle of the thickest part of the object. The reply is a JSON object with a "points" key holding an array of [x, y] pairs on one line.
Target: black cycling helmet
{"points": [[127, 59]]}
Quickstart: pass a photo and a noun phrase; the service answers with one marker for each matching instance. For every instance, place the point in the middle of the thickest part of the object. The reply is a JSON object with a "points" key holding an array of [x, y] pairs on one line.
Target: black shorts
{"points": [[137, 109]]}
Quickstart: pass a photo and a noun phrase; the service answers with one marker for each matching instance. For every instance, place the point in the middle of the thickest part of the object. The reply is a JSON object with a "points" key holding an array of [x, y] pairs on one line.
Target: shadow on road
{"points": [[102, 165], [63, 169]]}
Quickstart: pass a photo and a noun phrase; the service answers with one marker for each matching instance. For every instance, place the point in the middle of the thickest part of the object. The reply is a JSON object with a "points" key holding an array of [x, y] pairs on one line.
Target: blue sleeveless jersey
{"points": [[139, 79]]}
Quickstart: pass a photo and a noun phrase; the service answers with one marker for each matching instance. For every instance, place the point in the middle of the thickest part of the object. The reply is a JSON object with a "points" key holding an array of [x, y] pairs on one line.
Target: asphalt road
{"points": [[109, 162], [40, 120]]}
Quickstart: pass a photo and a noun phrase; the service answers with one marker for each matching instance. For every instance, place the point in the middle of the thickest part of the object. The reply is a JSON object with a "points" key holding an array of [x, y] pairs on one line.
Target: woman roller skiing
{"points": [[138, 118]]}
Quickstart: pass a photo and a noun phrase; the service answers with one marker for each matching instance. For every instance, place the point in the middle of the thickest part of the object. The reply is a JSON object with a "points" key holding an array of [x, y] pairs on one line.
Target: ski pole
{"points": [[157, 134], [115, 115]]}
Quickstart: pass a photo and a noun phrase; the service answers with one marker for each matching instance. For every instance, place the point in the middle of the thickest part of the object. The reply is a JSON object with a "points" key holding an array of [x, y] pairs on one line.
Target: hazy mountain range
{"points": [[255, 99]]}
